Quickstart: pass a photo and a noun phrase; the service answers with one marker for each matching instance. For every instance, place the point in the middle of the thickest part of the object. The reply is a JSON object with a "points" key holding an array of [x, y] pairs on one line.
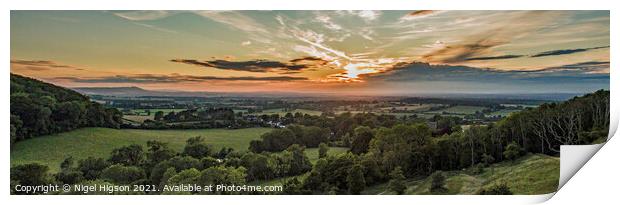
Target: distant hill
{"points": [[39, 108], [136, 91]]}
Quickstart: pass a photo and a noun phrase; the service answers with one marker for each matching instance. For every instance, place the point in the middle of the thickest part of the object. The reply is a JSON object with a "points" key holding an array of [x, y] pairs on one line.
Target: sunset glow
{"points": [[347, 52]]}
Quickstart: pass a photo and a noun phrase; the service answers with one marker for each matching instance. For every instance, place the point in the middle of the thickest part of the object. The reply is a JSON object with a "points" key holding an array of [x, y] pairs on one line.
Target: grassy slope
{"points": [[532, 174], [99, 142]]}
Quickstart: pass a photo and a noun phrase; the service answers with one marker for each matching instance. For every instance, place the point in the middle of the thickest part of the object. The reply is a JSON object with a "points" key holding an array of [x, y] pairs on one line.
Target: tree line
{"points": [[39, 108]]}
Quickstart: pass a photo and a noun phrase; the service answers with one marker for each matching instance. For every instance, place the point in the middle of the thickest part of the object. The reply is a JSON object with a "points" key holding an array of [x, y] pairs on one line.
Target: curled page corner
{"points": [[572, 158]]}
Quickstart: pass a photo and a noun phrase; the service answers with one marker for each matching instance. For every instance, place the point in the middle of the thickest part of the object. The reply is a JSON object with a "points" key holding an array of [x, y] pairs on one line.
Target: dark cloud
{"points": [[148, 78], [588, 66], [309, 61], [39, 65], [421, 13], [462, 52], [459, 53], [493, 57], [424, 72], [251, 66], [565, 51]]}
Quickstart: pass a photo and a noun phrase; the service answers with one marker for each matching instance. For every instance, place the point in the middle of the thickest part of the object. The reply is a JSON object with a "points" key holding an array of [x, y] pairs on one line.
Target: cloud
{"points": [[40, 65], [418, 14], [418, 71], [541, 54], [250, 66], [174, 78], [366, 15], [495, 33], [494, 57], [310, 60], [461, 52], [246, 43], [327, 22], [421, 13], [565, 51], [586, 67], [142, 15]]}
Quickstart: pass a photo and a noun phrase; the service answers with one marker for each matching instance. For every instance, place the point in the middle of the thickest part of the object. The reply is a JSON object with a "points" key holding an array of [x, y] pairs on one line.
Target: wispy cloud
{"points": [[142, 15], [262, 66], [40, 65], [493, 57], [175, 78], [565, 51]]}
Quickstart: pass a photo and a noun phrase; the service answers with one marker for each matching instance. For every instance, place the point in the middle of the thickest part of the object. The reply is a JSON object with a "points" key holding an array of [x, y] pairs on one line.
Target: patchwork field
{"points": [[99, 142], [140, 115], [281, 112], [459, 109]]}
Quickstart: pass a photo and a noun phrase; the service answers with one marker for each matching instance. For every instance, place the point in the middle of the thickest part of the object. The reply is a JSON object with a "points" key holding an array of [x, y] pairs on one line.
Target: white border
{"points": [[574, 190]]}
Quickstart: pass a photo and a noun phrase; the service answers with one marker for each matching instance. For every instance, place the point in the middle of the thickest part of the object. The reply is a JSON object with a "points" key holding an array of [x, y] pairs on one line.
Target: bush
{"points": [[120, 174], [91, 167], [438, 181], [498, 189], [131, 155], [33, 174], [513, 151], [397, 181], [356, 180], [197, 148]]}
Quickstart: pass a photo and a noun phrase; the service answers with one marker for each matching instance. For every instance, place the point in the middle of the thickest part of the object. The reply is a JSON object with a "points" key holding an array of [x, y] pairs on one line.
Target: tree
{"points": [[513, 151], [292, 187], [487, 159], [361, 138], [32, 174], [438, 181], [222, 175], [258, 166], [158, 152], [91, 167], [197, 147], [185, 177], [274, 141], [299, 162], [355, 179], [68, 173], [121, 174], [498, 189], [323, 149], [131, 155], [397, 181], [159, 115]]}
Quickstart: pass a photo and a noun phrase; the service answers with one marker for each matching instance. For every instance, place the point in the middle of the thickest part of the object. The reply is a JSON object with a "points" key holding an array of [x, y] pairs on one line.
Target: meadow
{"points": [[99, 142]]}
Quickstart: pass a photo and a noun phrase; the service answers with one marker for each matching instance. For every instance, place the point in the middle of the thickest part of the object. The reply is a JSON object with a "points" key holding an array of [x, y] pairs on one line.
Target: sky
{"points": [[342, 52]]}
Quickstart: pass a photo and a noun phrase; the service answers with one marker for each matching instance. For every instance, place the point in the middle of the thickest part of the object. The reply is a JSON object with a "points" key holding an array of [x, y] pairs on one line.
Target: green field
{"points": [[410, 107], [532, 174], [99, 142], [140, 115], [459, 109], [281, 112], [503, 113]]}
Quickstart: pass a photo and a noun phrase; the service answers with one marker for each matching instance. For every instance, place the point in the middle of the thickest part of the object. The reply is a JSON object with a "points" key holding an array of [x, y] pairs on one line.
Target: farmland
{"points": [[140, 115], [99, 142]]}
